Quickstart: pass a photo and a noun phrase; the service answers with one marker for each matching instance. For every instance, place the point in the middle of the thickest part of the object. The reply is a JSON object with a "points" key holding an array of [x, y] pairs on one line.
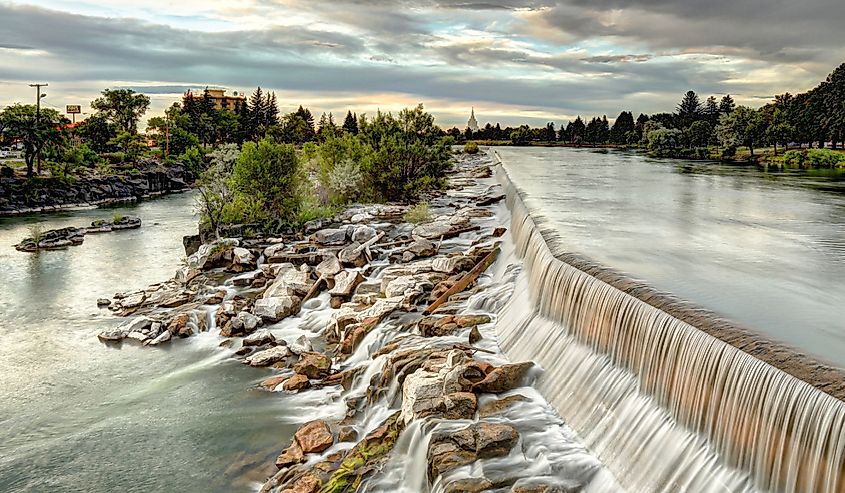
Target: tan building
{"points": [[221, 100]]}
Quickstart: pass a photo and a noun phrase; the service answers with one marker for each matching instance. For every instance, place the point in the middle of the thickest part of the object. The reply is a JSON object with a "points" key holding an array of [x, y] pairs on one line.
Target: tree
{"points": [[742, 127], [699, 134], [97, 131], [522, 135], [622, 127], [215, 194], [689, 109], [550, 135], [409, 155], [577, 131], [308, 118], [711, 111], [350, 124], [726, 105], [266, 175], [22, 122], [122, 107]]}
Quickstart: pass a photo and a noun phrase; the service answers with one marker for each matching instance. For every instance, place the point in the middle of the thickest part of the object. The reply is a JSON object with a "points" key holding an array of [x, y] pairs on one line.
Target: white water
{"points": [[665, 406]]}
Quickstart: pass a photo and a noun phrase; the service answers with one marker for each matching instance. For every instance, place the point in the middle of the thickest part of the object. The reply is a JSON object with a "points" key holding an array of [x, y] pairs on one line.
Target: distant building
{"points": [[472, 124], [221, 100]]}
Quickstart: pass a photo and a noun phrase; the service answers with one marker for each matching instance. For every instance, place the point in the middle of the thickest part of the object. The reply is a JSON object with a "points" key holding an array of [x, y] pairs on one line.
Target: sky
{"points": [[514, 61]]}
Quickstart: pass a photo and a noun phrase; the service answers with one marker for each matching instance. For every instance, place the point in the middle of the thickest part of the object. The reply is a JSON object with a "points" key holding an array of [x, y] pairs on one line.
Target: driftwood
{"points": [[464, 281]]}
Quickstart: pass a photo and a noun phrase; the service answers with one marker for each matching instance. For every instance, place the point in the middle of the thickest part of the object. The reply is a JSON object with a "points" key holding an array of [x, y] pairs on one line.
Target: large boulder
{"points": [[363, 233], [504, 378], [345, 283], [269, 356], [329, 267], [447, 451], [259, 338], [330, 237], [289, 281], [314, 436], [276, 308], [313, 365], [138, 324]]}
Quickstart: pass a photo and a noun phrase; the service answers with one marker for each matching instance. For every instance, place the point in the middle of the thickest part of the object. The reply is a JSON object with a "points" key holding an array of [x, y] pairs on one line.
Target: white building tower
{"points": [[472, 124]]}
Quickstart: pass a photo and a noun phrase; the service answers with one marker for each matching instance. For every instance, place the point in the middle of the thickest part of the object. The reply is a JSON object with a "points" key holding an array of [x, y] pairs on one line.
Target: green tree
{"points": [[689, 109], [742, 127], [726, 105], [122, 107], [267, 175], [710, 111], [97, 131], [699, 133], [133, 145], [623, 125], [22, 122], [350, 124]]}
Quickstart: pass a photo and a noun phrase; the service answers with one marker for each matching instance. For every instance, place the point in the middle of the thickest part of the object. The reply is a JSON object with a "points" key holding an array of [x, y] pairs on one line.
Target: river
{"points": [[77, 415], [766, 249]]}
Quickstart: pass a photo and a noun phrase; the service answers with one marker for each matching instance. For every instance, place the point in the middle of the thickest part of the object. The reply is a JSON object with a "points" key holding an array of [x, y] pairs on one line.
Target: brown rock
{"points": [[347, 434], [272, 382], [504, 378], [335, 302], [499, 232], [306, 484], [460, 405], [296, 383], [494, 439], [314, 436], [474, 335], [500, 405], [313, 365], [290, 456], [470, 485], [471, 320]]}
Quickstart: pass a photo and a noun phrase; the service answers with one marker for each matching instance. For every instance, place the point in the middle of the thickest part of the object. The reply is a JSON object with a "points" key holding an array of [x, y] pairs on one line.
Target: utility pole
{"points": [[38, 97]]}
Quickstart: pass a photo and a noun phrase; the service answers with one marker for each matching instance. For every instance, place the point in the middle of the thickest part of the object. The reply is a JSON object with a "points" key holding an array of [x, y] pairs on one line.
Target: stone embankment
{"points": [[148, 178], [55, 239], [388, 327]]}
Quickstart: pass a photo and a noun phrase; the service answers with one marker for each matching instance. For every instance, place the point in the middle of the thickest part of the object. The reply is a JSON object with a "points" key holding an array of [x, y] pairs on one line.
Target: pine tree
{"points": [[622, 127], [689, 109], [726, 105], [271, 111], [349, 124], [711, 111]]}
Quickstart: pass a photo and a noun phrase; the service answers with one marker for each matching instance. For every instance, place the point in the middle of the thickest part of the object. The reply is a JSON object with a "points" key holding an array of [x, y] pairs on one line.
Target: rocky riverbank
{"points": [[55, 239], [148, 178], [386, 329]]}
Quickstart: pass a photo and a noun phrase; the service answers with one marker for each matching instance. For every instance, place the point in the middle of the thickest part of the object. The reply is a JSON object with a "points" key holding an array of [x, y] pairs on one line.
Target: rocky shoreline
{"points": [[148, 179], [55, 239], [390, 328]]}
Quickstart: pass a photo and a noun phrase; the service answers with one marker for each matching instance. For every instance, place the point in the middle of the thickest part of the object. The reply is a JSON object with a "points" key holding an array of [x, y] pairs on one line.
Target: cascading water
{"points": [[666, 406]]}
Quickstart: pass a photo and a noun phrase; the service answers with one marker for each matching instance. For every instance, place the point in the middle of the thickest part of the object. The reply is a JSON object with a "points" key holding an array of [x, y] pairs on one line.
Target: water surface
{"points": [[766, 249], [76, 415]]}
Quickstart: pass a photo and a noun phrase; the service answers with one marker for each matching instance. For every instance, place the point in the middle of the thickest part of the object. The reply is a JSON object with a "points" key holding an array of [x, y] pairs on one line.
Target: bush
{"points": [[193, 160], [36, 232], [728, 152], [267, 181], [417, 213], [820, 158], [471, 148], [346, 182]]}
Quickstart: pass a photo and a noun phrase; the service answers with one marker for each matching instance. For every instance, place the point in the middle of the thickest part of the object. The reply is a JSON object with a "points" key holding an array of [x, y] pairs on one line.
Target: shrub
{"points": [[193, 160], [117, 217], [346, 182], [266, 180], [36, 232], [821, 158], [471, 148], [418, 213], [729, 152]]}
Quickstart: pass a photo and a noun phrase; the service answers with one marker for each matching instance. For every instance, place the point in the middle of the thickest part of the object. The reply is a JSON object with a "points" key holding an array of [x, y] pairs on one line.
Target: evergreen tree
{"points": [[726, 105], [689, 109], [350, 125], [578, 131], [271, 111], [638, 126], [308, 118], [710, 112], [622, 127]]}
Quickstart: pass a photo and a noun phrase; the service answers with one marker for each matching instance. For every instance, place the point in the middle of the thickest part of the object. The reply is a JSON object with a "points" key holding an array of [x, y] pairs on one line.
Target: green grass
{"points": [[418, 213]]}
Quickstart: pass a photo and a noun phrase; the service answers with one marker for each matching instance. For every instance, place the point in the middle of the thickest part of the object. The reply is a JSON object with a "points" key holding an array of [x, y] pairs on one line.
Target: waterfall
{"points": [[657, 391]]}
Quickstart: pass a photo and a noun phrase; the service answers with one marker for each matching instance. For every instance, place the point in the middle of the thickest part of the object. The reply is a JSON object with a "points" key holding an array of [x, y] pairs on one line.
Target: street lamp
{"points": [[38, 97]]}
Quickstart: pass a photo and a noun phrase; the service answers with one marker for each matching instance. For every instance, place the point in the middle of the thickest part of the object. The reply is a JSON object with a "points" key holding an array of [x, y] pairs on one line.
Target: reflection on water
{"points": [[76, 415], [765, 248]]}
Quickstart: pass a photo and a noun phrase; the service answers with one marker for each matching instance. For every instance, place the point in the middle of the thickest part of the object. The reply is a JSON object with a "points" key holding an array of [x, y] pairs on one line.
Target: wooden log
{"points": [[464, 281]]}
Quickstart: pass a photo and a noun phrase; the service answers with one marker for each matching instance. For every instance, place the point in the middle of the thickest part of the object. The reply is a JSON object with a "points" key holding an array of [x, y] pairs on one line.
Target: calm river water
{"points": [[76, 415], [766, 249]]}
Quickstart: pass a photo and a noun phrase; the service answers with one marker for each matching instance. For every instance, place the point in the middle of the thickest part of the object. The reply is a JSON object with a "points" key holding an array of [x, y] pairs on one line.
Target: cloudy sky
{"points": [[515, 61]]}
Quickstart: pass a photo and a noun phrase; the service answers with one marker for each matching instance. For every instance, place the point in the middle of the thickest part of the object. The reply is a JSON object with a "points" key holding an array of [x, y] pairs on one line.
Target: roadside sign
{"points": [[74, 109]]}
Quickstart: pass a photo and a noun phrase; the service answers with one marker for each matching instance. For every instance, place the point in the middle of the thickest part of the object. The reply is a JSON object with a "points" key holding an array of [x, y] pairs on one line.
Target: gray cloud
{"points": [[527, 56]]}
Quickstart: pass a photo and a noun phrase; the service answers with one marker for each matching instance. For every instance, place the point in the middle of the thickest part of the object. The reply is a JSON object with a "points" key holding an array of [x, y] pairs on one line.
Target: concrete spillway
{"points": [[661, 392]]}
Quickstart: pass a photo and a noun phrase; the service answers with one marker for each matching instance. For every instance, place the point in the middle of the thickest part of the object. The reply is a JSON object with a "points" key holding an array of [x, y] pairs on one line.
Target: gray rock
{"points": [[345, 283], [165, 336], [329, 267], [137, 324], [242, 256], [269, 356], [330, 237], [259, 338], [301, 345], [245, 322], [363, 233], [277, 307]]}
